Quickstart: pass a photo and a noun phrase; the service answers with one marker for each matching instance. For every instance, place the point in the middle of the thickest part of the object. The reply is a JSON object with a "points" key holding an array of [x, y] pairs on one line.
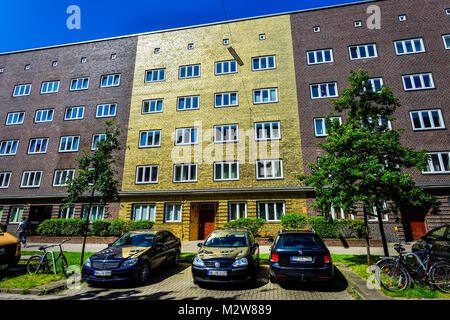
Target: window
{"points": [[421, 81], [225, 171], [265, 95], [271, 211], [22, 90], [320, 126], [190, 46], [376, 84], [16, 215], [338, 213], [320, 56], [269, 169], [155, 75], [150, 139], [237, 210], [43, 116], [106, 110], [316, 29], [188, 103], [97, 212], [157, 50], [379, 122], [69, 144], [50, 87], [15, 118], [96, 138], [79, 84], [226, 133], [31, 179], [446, 39], [152, 106], [225, 67], [439, 162], [225, 42], [55, 63], [38, 146], [63, 177], [83, 60], [263, 63], [110, 80], [1, 70], [409, 46], [363, 51], [173, 213], [374, 212], [185, 172], [357, 24], [74, 113], [5, 177], [324, 90], [192, 71], [8, 147], [267, 131], [144, 212], [402, 17], [427, 120], [27, 67], [147, 174], [113, 56], [66, 213], [226, 99], [185, 136], [447, 11], [262, 36]]}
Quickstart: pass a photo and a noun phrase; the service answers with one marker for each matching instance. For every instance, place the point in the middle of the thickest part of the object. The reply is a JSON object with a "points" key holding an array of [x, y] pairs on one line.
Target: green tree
{"points": [[95, 178], [364, 158]]}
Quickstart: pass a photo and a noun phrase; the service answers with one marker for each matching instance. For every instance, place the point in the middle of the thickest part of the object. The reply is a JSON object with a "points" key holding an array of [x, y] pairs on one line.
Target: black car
{"points": [[439, 238], [227, 255], [299, 255], [132, 257]]}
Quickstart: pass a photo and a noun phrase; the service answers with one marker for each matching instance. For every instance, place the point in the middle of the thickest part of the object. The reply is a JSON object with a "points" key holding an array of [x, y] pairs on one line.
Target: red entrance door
{"points": [[418, 229], [414, 224], [206, 223]]}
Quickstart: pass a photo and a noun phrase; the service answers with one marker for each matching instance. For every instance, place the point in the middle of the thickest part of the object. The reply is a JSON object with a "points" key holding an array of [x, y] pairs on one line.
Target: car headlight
{"points": [[129, 263], [88, 262], [198, 262], [241, 262]]}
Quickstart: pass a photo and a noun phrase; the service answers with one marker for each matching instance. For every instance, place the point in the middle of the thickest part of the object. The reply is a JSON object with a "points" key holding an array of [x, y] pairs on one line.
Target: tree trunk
{"points": [[380, 212], [87, 227], [366, 225]]}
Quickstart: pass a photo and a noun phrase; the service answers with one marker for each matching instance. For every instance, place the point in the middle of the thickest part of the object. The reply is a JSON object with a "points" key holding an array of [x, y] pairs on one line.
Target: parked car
{"points": [[439, 238], [300, 255], [227, 255], [9, 250], [132, 257]]}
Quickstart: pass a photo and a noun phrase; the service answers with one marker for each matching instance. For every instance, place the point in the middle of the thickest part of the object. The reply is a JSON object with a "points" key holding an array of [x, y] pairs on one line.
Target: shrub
{"points": [[72, 227], [293, 221], [253, 224], [356, 229], [99, 228], [51, 227], [141, 224], [117, 227], [325, 227]]}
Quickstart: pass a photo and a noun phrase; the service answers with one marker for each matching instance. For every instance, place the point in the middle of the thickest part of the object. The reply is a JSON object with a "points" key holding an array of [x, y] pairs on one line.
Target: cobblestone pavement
{"points": [[175, 283]]}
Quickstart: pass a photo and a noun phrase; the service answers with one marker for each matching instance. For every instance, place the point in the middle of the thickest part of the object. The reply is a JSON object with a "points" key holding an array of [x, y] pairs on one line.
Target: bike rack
{"points": [[53, 258]]}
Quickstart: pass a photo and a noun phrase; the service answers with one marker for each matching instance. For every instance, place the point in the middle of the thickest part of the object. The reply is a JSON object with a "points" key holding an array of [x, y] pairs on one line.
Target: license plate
{"points": [[102, 273], [217, 273], [301, 259], [3, 266]]}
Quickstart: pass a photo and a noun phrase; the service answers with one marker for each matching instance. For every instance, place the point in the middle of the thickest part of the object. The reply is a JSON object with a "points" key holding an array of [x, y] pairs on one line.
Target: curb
{"points": [[38, 291]]}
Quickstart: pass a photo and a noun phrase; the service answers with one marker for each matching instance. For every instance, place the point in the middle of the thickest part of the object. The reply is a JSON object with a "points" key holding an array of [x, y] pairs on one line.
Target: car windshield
{"points": [[436, 234], [135, 240], [221, 239], [299, 241]]}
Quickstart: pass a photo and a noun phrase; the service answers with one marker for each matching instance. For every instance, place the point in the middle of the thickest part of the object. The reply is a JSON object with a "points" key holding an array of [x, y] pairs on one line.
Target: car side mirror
{"points": [[199, 244], [110, 245]]}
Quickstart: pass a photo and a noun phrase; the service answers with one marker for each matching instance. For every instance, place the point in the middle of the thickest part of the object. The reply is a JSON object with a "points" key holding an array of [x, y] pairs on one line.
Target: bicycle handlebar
{"points": [[54, 245]]}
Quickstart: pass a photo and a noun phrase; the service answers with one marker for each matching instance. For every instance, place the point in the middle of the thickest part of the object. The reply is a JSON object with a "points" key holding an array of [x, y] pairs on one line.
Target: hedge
{"points": [[328, 228], [253, 224], [294, 221]]}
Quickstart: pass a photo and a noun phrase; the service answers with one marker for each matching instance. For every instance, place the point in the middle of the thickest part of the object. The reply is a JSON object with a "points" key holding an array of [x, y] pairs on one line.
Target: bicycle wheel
{"points": [[35, 264], [65, 266], [440, 276], [392, 277]]}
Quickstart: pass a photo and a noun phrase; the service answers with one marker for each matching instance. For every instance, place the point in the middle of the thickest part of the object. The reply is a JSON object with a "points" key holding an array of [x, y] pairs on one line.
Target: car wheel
{"points": [[144, 273], [273, 279]]}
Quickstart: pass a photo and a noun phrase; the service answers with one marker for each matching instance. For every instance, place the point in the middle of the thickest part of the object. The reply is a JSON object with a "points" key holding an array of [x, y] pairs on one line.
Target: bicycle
{"points": [[41, 263], [396, 274]]}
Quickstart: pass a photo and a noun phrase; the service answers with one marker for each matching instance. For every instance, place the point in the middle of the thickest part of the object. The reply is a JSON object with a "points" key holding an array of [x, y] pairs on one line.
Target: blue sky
{"points": [[26, 24]]}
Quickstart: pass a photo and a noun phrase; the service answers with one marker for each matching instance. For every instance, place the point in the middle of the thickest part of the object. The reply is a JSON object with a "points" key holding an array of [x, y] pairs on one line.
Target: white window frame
{"points": [[366, 46], [222, 64], [183, 134], [171, 219], [158, 72], [266, 206], [186, 68], [420, 113], [50, 87], [5, 179], [67, 213], [266, 59], [441, 163], [421, 75], [15, 215], [447, 47], [77, 80], [189, 99], [96, 212], [372, 82], [31, 175], [316, 53], [385, 218], [413, 46], [265, 162], [19, 116], [320, 91], [21, 90], [64, 176], [324, 125], [45, 112], [139, 214], [40, 142], [9, 145], [261, 91], [272, 136], [76, 113], [182, 166], [152, 102], [238, 207], [74, 138], [95, 138], [108, 77], [229, 163], [226, 94], [342, 213], [143, 169], [153, 133], [223, 136], [108, 107]]}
